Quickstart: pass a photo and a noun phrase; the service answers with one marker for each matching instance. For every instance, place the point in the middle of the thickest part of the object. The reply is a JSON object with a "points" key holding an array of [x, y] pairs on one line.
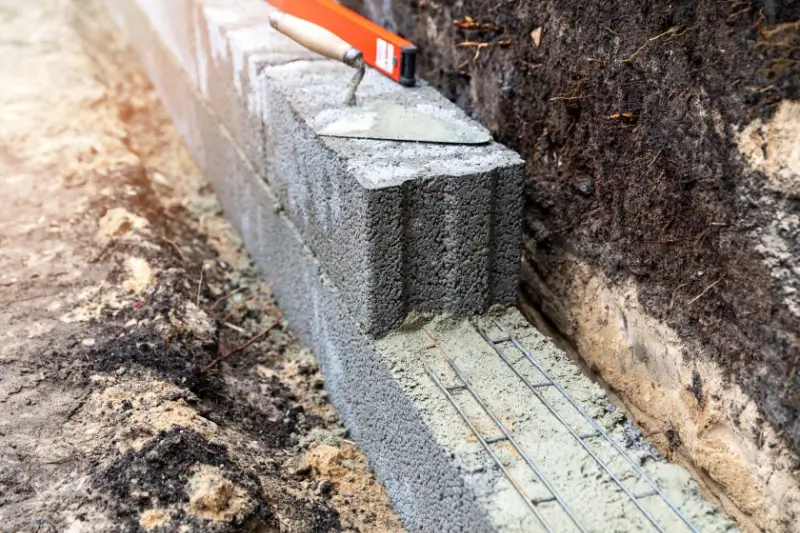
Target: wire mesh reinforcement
{"points": [[463, 384], [506, 436], [597, 432], [528, 501]]}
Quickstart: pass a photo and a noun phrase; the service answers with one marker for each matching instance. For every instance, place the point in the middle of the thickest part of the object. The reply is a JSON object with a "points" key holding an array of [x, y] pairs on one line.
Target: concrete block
{"points": [[233, 43], [173, 22], [399, 226]]}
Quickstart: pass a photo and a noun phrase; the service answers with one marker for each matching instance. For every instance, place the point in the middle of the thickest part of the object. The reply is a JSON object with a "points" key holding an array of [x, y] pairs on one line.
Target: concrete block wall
{"points": [[358, 232], [396, 226], [380, 414]]}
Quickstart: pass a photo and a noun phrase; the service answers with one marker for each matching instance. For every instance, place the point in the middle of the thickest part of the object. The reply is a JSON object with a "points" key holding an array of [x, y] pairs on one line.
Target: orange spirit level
{"points": [[386, 52]]}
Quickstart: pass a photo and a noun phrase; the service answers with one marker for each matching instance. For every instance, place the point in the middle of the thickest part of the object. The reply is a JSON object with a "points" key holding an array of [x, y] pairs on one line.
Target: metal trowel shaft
{"points": [[319, 40]]}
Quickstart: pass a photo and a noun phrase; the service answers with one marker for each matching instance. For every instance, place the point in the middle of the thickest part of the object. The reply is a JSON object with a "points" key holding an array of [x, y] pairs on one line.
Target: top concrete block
{"points": [[233, 42], [313, 90], [398, 226]]}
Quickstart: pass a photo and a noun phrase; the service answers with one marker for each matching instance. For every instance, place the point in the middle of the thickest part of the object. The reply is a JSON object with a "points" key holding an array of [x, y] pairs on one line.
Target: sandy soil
{"points": [[147, 380]]}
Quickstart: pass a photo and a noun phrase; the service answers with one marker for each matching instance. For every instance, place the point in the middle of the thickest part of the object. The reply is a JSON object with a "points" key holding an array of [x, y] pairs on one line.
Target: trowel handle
{"points": [[315, 38]]}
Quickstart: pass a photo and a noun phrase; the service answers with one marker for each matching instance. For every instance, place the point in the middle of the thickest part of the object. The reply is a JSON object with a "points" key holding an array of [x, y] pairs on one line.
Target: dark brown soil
{"points": [[162, 469], [626, 114]]}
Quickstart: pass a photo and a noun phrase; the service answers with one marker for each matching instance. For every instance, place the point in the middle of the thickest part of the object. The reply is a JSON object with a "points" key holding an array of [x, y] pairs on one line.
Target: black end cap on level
{"points": [[408, 66]]}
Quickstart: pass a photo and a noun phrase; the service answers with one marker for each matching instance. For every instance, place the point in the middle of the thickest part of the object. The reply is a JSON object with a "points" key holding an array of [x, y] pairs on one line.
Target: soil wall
{"points": [[662, 219]]}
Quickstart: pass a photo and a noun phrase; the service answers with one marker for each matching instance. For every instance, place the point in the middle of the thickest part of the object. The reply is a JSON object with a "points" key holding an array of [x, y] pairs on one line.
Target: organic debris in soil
{"points": [[158, 477]]}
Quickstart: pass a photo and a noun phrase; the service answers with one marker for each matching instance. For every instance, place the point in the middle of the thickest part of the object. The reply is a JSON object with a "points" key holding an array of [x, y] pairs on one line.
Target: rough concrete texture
{"points": [[592, 496], [439, 220], [437, 477], [397, 226]]}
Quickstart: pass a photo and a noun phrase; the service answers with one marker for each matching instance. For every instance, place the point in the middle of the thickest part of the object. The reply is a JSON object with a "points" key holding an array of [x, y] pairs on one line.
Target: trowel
{"points": [[379, 119]]}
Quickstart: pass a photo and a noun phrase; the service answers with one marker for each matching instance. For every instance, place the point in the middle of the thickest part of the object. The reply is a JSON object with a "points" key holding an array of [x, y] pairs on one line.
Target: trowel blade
{"points": [[385, 120]]}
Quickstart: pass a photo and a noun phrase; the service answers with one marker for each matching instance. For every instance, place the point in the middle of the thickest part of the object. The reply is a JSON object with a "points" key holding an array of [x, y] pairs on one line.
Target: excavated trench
{"points": [[661, 224], [661, 234]]}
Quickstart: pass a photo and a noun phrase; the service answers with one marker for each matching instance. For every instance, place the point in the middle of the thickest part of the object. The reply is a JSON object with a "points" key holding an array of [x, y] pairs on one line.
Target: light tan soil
{"points": [[121, 284], [686, 408]]}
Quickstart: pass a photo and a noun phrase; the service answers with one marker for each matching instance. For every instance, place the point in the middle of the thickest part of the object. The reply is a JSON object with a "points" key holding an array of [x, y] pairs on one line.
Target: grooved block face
{"points": [[398, 226], [233, 42], [334, 213]]}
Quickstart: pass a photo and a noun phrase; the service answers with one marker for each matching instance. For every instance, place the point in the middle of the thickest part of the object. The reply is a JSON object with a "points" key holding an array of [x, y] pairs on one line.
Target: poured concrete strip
{"points": [[397, 226], [590, 496], [438, 475]]}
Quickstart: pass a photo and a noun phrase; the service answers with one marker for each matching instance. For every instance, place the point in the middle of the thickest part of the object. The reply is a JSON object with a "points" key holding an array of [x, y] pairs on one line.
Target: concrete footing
{"points": [[365, 237]]}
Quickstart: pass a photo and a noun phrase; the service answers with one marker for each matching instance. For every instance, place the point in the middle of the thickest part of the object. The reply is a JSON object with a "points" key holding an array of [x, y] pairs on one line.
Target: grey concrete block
{"points": [[399, 226], [172, 21], [234, 42]]}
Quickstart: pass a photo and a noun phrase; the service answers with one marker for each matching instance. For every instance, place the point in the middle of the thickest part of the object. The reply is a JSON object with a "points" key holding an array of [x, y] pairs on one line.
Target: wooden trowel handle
{"points": [[315, 38]]}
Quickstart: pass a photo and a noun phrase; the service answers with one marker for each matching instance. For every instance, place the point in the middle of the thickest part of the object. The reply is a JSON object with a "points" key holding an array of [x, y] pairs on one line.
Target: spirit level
{"points": [[386, 52]]}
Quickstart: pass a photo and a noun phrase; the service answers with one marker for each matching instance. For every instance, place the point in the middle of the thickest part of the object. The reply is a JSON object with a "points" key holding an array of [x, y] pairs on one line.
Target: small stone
{"points": [[324, 487], [306, 367], [536, 35], [140, 495], [585, 187]]}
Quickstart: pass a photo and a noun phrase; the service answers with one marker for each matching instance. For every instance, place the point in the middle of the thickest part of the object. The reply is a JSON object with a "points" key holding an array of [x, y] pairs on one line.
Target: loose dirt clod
{"points": [[214, 497]]}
